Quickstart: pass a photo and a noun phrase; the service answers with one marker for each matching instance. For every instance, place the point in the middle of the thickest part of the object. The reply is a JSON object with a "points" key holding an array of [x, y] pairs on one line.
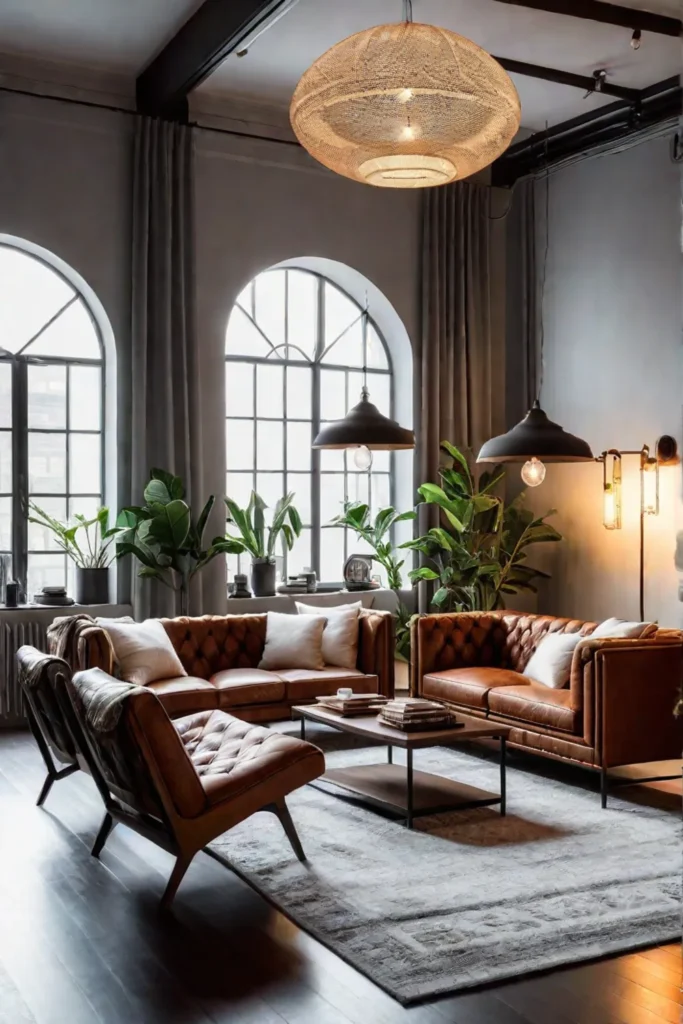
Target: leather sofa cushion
{"points": [[240, 686], [468, 686], [539, 705], [305, 684], [185, 694], [233, 758]]}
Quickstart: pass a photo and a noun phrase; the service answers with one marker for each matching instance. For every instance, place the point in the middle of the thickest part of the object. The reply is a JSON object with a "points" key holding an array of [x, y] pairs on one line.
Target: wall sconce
{"points": [[666, 453], [611, 488]]}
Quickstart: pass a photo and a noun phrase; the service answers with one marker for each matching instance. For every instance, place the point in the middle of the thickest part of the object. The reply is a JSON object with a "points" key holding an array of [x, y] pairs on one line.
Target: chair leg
{"points": [[106, 828], [182, 863], [45, 789], [280, 808]]}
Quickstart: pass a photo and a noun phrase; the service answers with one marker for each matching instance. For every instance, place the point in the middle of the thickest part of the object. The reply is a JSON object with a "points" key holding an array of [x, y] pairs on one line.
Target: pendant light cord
{"points": [[544, 270], [366, 313], [408, 11]]}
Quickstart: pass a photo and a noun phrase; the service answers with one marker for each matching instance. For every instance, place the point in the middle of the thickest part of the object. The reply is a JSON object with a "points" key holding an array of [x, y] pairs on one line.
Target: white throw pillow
{"points": [[340, 637], [293, 641], [621, 629], [144, 651], [551, 662]]}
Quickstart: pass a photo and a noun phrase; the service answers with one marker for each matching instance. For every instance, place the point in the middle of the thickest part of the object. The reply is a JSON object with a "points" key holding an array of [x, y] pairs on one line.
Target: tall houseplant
{"points": [[260, 540], [377, 534], [478, 556], [165, 538], [88, 543]]}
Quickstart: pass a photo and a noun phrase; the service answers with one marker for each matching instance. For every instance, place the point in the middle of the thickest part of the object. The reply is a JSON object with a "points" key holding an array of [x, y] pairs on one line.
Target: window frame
{"points": [[20, 430], [316, 366]]}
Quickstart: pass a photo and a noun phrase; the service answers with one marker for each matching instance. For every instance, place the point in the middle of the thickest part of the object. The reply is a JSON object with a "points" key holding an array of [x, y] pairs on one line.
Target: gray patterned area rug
{"points": [[467, 897]]}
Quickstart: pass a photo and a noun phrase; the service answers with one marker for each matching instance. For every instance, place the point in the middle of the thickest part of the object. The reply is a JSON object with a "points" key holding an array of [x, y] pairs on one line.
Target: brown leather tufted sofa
{"points": [[221, 655], [616, 710]]}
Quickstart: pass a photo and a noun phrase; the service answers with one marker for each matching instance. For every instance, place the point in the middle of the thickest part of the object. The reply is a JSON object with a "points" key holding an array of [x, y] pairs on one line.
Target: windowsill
{"points": [[70, 609]]}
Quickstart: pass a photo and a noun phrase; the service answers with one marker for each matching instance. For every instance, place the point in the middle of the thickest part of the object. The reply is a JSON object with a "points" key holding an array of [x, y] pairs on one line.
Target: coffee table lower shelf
{"points": [[403, 792]]}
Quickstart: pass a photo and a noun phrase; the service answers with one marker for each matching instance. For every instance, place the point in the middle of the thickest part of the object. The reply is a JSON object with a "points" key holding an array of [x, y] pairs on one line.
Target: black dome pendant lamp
{"points": [[536, 439], [364, 427]]}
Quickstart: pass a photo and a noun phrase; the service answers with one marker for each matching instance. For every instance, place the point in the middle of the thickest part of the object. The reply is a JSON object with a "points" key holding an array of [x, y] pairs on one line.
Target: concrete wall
{"points": [[65, 185], [613, 374], [262, 203]]}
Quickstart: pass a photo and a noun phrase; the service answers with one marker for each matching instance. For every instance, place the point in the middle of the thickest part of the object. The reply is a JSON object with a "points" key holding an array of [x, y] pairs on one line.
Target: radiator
{"points": [[14, 635]]}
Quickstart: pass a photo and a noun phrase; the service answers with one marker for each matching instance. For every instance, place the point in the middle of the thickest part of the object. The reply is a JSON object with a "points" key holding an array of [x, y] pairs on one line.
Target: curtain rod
{"points": [[133, 113]]}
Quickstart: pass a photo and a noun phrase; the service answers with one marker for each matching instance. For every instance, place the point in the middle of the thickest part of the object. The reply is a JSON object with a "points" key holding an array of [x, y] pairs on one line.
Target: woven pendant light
{"points": [[405, 106]]}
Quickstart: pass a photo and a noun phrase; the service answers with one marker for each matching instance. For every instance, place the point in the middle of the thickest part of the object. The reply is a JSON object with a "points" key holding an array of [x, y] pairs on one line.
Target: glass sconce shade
{"points": [[649, 484], [611, 515]]}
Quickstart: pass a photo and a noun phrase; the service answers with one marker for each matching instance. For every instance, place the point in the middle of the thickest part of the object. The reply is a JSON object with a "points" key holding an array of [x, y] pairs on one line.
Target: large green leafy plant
{"points": [[478, 556], [377, 534], [165, 538], [255, 537], [87, 542]]}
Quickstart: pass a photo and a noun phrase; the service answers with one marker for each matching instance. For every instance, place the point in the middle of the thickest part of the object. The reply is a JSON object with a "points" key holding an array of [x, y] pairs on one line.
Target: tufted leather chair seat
{"points": [[231, 756], [469, 686]]}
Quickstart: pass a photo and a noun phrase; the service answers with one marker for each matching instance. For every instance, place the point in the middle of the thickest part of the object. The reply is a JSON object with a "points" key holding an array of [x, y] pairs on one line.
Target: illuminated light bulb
{"points": [[408, 132], [533, 472], [362, 458], [405, 96]]}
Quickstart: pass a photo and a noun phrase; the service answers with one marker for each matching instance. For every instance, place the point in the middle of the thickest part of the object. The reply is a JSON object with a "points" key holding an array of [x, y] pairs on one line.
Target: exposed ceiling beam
{"points": [[608, 14], [215, 30], [593, 85], [656, 104]]}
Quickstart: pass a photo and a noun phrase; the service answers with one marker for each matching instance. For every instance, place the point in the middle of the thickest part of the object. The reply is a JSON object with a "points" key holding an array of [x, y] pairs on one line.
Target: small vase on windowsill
{"points": [[263, 574]]}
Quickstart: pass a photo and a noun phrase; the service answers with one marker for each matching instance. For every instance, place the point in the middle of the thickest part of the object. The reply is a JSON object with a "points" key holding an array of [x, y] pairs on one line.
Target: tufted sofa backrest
{"points": [[503, 639], [214, 643]]}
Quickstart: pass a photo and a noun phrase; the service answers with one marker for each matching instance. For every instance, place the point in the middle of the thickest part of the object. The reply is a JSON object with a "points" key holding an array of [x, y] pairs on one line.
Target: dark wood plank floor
{"points": [[84, 943]]}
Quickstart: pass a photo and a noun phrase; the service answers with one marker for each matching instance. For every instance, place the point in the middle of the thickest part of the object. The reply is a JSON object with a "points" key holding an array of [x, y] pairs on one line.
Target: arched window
{"points": [[295, 348], [51, 412]]}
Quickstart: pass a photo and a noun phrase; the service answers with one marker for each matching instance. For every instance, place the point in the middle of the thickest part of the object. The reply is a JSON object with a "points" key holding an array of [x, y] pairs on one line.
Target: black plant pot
{"points": [[92, 586], [263, 578]]}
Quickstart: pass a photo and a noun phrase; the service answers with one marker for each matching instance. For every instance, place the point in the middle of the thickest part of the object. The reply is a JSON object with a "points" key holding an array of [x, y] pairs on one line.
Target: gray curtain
{"points": [[165, 393], [523, 302], [461, 358]]}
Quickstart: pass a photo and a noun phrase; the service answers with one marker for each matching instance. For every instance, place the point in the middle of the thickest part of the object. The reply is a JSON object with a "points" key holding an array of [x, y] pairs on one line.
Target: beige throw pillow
{"points": [[340, 637], [612, 629], [551, 662], [144, 651], [293, 641]]}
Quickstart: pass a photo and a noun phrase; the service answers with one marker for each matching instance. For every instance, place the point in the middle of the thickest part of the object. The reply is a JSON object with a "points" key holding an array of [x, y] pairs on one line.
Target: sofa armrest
{"points": [[630, 689], [376, 647]]}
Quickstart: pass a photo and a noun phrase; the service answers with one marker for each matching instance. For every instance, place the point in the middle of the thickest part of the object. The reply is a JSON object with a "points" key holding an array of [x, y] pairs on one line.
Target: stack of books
{"points": [[416, 715], [357, 704]]}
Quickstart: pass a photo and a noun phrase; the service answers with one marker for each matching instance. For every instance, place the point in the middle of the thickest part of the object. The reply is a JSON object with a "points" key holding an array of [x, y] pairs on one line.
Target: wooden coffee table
{"points": [[400, 790]]}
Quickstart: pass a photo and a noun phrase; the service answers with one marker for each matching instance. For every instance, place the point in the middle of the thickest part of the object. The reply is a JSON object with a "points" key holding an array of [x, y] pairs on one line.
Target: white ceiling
{"points": [[122, 36], [272, 68], [108, 35]]}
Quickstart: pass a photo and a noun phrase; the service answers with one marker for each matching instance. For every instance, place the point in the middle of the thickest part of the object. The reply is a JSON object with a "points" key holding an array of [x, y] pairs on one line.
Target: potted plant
{"points": [[260, 542], [356, 517], [165, 538], [88, 543], [478, 555]]}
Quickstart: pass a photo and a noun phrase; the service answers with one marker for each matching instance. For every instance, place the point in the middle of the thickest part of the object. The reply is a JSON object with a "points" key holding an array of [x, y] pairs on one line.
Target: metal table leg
{"points": [[390, 755], [503, 790], [409, 788], [303, 728]]}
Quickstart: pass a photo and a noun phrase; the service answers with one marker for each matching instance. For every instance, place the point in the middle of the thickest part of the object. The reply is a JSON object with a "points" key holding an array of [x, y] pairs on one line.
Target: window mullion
{"points": [[315, 412], [19, 472]]}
